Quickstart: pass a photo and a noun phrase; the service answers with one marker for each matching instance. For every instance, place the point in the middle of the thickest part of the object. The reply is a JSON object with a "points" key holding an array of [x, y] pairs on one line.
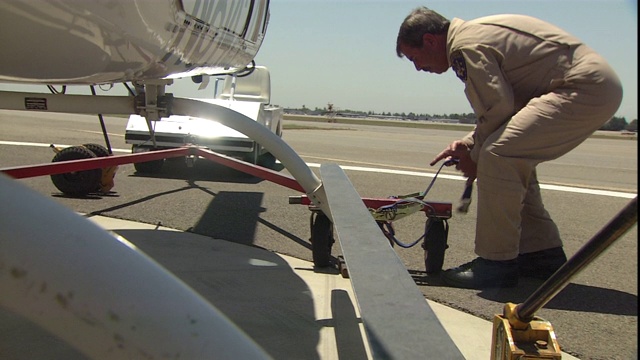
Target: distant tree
{"points": [[469, 118], [615, 124], [633, 125]]}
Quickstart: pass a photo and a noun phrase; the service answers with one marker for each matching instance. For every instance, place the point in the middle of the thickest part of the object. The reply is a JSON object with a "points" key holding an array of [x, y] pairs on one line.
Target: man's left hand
{"points": [[459, 151]]}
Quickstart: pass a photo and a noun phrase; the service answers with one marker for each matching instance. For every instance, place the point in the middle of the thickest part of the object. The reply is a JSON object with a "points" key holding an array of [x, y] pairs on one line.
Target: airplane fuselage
{"points": [[60, 42]]}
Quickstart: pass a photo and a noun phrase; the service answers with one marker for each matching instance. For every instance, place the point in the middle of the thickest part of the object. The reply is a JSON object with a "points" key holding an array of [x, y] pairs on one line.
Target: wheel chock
{"points": [[342, 267]]}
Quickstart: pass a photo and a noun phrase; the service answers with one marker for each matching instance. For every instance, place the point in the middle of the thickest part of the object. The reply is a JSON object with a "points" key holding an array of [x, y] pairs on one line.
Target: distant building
{"points": [[445, 121]]}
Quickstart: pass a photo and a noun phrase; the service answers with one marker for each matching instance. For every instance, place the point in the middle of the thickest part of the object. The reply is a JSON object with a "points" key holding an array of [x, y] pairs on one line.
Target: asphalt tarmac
{"points": [[594, 317]]}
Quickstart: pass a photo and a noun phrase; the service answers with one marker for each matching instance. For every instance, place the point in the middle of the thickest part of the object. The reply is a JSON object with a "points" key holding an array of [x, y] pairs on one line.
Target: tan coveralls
{"points": [[537, 92]]}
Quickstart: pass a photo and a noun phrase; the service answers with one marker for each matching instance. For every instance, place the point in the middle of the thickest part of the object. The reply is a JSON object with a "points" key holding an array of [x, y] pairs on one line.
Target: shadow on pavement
{"points": [[574, 297], [203, 170], [231, 216], [254, 288]]}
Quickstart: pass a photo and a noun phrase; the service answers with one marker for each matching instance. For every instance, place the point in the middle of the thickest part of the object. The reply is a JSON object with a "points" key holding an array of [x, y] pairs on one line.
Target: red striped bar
{"points": [[21, 172], [254, 170]]}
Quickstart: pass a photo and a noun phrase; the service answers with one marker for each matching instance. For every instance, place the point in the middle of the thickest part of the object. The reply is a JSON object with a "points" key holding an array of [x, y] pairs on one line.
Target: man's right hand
{"points": [[455, 150]]}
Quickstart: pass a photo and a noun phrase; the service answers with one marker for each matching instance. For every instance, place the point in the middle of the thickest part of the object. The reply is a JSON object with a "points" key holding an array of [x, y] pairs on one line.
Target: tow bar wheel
{"points": [[435, 244], [76, 183], [321, 239]]}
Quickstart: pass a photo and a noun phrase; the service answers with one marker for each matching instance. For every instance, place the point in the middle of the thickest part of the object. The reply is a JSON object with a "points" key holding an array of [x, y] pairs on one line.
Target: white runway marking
{"points": [[21, 143], [461, 178], [571, 189]]}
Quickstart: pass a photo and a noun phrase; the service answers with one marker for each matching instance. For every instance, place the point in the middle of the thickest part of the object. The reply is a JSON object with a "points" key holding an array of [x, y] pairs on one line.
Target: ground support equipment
{"points": [[384, 211]]}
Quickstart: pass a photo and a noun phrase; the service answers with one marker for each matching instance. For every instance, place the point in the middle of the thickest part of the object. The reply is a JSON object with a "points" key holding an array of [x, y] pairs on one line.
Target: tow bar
{"points": [[385, 212]]}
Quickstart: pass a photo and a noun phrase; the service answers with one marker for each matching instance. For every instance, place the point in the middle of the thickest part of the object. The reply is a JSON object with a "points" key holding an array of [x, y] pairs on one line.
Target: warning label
{"points": [[31, 103]]}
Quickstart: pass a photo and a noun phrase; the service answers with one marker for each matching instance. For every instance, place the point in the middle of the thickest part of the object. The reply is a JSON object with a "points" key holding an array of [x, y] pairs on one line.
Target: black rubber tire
{"points": [[77, 183], [97, 149], [321, 240], [435, 244], [147, 167], [267, 160]]}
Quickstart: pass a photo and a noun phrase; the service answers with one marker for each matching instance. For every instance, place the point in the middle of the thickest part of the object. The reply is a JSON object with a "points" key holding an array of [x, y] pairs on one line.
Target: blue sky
{"points": [[343, 52]]}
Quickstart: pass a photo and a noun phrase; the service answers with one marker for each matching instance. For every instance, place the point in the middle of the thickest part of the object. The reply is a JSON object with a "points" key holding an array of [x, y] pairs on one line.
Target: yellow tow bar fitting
{"points": [[107, 181], [514, 338]]}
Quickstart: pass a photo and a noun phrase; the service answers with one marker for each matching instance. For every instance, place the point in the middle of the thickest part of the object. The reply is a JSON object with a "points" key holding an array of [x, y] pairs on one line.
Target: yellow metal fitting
{"points": [[56, 149], [107, 181], [510, 314], [516, 339]]}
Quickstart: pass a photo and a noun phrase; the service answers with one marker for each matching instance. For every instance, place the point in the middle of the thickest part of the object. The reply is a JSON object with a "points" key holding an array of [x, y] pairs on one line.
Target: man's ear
{"points": [[429, 40]]}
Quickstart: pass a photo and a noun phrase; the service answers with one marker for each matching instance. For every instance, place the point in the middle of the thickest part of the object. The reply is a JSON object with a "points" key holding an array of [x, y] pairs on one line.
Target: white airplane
{"points": [[96, 42], [146, 43]]}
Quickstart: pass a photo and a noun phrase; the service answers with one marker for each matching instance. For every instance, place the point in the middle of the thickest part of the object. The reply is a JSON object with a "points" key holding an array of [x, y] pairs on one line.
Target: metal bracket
{"points": [[399, 322], [153, 103]]}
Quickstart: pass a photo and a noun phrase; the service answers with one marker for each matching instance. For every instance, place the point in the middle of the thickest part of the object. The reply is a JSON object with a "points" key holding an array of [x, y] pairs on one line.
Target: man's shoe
{"points": [[482, 273], [541, 264]]}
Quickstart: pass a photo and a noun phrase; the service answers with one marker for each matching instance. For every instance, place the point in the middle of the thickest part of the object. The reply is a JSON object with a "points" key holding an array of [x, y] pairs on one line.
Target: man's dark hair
{"points": [[419, 22]]}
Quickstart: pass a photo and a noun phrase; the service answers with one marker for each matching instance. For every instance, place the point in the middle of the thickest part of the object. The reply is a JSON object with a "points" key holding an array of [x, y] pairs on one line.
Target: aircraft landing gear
{"points": [[147, 167], [76, 183], [82, 183]]}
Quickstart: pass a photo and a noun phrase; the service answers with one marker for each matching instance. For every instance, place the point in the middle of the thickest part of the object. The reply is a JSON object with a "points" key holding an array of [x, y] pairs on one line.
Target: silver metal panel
{"points": [[399, 322]]}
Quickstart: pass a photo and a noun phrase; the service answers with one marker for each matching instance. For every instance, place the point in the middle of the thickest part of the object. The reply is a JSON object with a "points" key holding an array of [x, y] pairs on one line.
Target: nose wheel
{"points": [[146, 167]]}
